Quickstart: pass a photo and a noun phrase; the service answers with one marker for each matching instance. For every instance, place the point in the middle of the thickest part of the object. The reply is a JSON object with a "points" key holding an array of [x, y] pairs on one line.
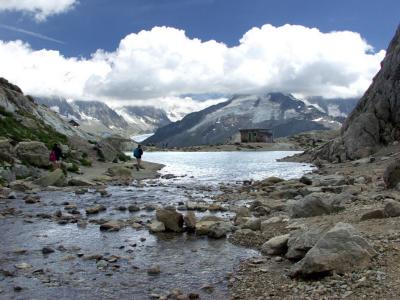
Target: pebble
{"points": [[23, 266], [154, 270], [47, 250]]}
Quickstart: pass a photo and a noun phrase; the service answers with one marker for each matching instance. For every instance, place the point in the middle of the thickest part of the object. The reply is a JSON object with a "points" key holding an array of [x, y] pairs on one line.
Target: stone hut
{"points": [[256, 136]]}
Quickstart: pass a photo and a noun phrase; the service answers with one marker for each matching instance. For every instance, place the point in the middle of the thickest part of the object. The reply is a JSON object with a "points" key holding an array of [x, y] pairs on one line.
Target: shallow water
{"points": [[186, 261]]}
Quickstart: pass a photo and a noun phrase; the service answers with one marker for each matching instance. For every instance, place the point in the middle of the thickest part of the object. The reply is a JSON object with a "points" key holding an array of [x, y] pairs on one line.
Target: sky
{"points": [[154, 51]]}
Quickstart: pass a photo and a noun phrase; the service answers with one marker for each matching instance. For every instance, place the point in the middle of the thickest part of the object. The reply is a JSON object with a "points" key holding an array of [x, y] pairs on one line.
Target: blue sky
{"points": [[155, 51], [95, 24]]}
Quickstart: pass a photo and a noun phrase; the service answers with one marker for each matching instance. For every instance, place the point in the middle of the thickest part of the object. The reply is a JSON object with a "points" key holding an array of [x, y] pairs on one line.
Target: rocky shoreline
{"points": [[332, 234]]}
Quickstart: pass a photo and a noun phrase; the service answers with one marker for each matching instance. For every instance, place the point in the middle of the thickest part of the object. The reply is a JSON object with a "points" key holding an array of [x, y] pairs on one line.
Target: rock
{"points": [[392, 208], [193, 205], [172, 220], [111, 226], [133, 208], [276, 245], [315, 204], [266, 224], [95, 209], [31, 199], [301, 241], [219, 230], [373, 214], [391, 176], [55, 178], [271, 181], [23, 266], [154, 270], [190, 220], [119, 171], [21, 186], [242, 215], [374, 123], [33, 153], [306, 180], [341, 249], [106, 151], [101, 264], [329, 180], [203, 227], [12, 195], [6, 151], [78, 181], [156, 226], [252, 223], [47, 250]]}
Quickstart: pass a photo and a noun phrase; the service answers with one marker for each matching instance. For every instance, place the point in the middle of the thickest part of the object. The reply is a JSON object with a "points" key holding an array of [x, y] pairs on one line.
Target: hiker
{"points": [[55, 156], [138, 152]]}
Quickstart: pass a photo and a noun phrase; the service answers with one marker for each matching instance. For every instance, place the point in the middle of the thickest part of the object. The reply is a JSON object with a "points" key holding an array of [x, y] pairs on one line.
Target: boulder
{"points": [[203, 227], [190, 220], [33, 153], [55, 178], [315, 204], [276, 245], [242, 215], [329, 180], [391, 176], [95, 209], [392, 208], [252, 223], [373, 214], [111, 226], [120, 171], [172, 220], [6, 152], [106, 151], [341, 249], [301, 241], [219, 230], [156, 226], [79, 181]]}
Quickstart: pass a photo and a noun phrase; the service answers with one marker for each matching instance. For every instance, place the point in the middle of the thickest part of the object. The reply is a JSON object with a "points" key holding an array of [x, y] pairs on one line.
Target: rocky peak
{"points": [[375, 122]]}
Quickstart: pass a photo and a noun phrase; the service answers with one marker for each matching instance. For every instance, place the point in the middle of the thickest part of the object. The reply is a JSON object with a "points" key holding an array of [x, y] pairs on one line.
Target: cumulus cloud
{"points": [[40, 9], [165, 63]]}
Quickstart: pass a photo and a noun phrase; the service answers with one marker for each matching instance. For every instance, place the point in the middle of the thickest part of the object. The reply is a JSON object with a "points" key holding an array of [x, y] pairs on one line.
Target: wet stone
{"points": [[47, 250], [154, 270]]}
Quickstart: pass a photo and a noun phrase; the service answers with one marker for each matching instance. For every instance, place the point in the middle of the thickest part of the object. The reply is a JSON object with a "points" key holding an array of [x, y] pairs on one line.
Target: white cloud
{"points": [[165, 63], [40, 9]]}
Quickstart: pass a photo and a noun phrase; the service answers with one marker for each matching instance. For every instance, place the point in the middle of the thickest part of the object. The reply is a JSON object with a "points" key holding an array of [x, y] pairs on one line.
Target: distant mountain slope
{"points": [[284, 114], [98, 118], [338, 107], [145, 118]]}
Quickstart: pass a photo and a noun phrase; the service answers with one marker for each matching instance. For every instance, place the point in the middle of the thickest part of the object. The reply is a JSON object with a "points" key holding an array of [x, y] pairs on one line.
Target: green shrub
{"points": [[85, 162], [73, 168], [123, 157]]}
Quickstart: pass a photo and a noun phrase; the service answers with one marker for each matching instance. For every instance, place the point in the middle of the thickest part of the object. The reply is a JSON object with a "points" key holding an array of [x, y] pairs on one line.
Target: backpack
{"points": [[53, 156], [136, 153]]}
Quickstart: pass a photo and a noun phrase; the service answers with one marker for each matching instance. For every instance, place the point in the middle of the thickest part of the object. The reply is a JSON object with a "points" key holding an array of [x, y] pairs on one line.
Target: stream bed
{"points": [[91, 264]]}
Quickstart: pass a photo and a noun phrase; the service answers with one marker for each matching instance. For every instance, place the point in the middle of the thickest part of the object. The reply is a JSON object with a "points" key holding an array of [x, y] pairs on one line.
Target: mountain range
{"points": [[282, 113], [98, 118]]}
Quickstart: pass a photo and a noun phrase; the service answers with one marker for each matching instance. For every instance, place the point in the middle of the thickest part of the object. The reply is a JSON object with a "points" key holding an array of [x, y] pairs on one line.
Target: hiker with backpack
{"points": [[55, 156], [137, 153]]}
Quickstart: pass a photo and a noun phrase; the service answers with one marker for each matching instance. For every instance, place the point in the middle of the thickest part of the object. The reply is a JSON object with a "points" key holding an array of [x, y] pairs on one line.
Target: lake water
{"points": [[227, 167], [186, 261]]}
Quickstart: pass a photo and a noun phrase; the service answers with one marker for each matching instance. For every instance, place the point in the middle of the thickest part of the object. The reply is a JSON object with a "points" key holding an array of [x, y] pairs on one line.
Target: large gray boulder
{"points": [[375, 122], [342, 249], [6, 152], [173, 221], [33, 153], [315, 204], [391, 176], [106, 151], [55, 178], [276, 245], [392, 208], [301, 241]]}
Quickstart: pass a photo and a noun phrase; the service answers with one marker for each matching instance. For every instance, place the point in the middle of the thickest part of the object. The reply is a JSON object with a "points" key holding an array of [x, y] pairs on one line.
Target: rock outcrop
{"points": [[341, 249], [375, 122]]}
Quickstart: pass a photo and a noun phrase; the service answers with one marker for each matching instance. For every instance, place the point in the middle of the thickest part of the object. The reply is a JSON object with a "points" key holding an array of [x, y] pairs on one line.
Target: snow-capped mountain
{"points": [[98, 118], [145, 118], [284, 114]]}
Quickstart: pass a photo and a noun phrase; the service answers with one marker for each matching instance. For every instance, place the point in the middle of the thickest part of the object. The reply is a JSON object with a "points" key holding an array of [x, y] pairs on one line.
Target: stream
{"points": [[188, 262]]}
